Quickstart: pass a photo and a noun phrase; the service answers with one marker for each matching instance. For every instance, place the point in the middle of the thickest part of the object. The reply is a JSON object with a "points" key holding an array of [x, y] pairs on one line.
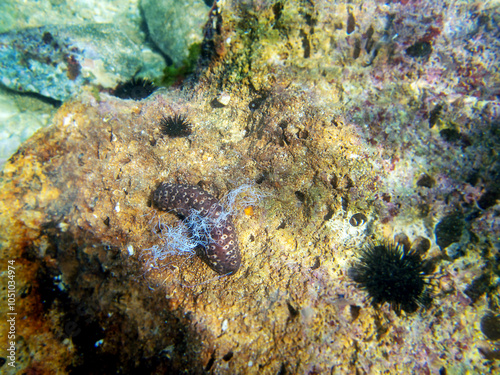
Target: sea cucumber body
{"points": [[221, 252]]}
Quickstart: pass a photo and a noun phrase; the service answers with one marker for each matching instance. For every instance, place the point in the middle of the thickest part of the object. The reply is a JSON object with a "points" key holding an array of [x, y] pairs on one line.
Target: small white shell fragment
{"points": [[63, 226], [224, 98], [130, 250]]}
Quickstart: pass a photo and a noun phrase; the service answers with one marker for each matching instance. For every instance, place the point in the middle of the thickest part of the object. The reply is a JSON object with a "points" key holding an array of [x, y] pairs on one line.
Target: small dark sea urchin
{"points": [[175, 126], [136, 89], [390, 273]]}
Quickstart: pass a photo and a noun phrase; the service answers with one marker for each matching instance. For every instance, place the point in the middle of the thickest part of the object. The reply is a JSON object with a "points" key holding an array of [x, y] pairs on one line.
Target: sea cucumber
{"points": [[210, 224]]}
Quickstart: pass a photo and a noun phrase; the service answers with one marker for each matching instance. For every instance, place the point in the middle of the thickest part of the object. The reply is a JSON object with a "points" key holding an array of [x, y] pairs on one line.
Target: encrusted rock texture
{"points": [[386, 111]]}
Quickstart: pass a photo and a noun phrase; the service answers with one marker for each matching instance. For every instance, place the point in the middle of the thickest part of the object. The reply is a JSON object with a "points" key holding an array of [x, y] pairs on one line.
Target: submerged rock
{"points": [[175, 25], [56, 61], [332, 145]]}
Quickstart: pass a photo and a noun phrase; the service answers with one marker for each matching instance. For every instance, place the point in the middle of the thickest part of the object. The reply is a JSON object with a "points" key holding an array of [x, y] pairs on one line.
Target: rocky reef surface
{"points": [[354, 123]]}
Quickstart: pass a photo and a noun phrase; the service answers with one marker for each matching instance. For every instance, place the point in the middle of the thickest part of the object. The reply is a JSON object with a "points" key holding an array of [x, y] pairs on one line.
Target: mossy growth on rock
{"points": [[173, 74]]}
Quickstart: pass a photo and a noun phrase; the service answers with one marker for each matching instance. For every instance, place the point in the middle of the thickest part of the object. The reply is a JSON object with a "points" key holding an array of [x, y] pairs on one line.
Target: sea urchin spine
{"points": [[136, 89], [390, 273], [175, 126]]}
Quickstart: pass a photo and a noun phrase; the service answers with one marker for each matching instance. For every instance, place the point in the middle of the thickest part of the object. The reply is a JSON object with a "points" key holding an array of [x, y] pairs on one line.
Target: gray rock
{"points": [[21, 14], [55, 61], [175, 25], [20, 117]]}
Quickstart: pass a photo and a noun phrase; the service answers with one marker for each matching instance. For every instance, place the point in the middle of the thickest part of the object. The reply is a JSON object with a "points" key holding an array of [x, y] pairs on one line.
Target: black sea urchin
{"points": [[175, 126], [390, 273], [136, 89]]}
